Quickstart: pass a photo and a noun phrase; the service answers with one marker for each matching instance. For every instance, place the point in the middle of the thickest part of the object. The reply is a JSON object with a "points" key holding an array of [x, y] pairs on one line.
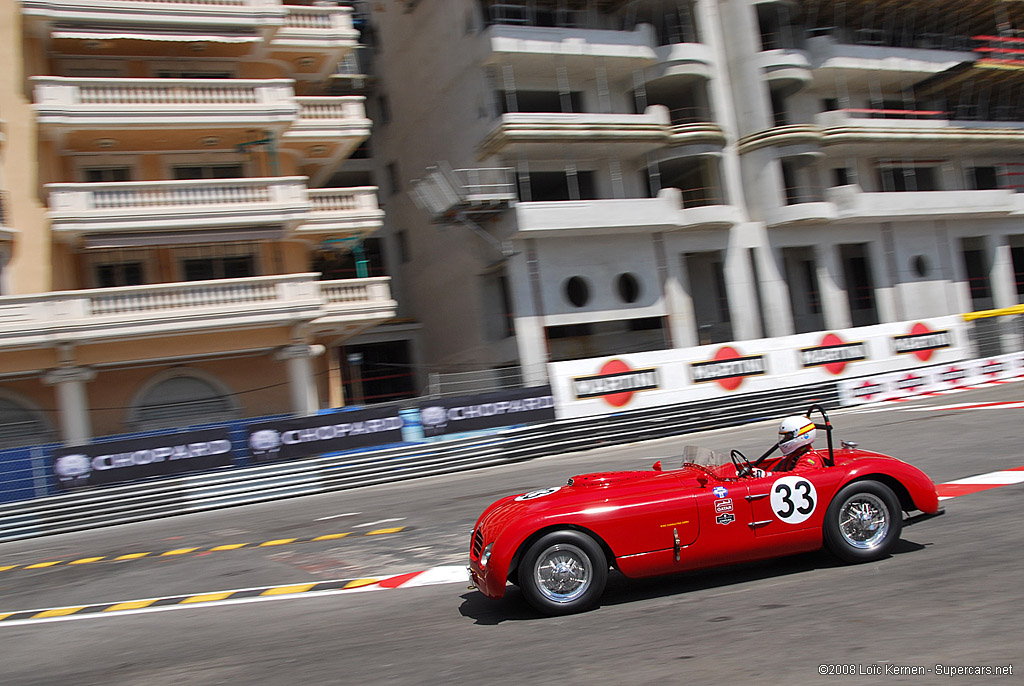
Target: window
{"points": [[21, 424], [497, 313], [860, 290], [394, 183], [207, 171], [840, 176], [402, 238], [577, 291], [217, 261], [707, 290], [539, 101], [553, 186], [180, 398], [908, 178], [977, 268], [106, 174], [983, 178], [119, 274]]}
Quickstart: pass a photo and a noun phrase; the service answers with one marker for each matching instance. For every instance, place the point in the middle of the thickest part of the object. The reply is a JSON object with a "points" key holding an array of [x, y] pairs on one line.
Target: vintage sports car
{"points": [[557, 544]]}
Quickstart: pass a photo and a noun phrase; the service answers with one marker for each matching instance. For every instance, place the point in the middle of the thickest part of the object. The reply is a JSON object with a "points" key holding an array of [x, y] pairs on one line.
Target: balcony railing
{"points": [[90, 102], [305, 25], [133, 311], [342, 210], [77, 208], [207, 15]]}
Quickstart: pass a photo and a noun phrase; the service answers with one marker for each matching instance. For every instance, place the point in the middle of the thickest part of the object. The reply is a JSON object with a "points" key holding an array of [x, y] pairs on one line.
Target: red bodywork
{"points": [[662, 522]]}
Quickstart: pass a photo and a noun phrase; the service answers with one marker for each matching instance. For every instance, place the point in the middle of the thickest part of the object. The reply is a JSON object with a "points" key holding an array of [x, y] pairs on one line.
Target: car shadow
{"points": [[621, 590]]}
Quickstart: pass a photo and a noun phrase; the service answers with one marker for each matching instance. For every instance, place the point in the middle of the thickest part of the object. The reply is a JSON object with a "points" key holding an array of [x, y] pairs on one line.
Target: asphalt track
{"points": [[951, 595]]}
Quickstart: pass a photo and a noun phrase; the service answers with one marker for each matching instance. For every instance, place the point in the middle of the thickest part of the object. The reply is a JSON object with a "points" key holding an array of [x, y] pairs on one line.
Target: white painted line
{"points": [[993, 478], [344, 514], [379, 521]]}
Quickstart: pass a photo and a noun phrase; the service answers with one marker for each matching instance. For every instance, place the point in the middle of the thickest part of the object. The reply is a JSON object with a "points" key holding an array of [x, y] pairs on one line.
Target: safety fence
{"points": [[151, 499]]}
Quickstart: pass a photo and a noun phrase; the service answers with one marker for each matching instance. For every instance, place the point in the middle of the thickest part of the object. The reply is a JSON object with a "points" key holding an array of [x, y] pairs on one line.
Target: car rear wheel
{"points": [[863, 522], [563, 572]]}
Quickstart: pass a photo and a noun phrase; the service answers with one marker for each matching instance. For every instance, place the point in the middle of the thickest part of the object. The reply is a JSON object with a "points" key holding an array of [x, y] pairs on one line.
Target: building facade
{"points": [[168, 211], [595, 177]]}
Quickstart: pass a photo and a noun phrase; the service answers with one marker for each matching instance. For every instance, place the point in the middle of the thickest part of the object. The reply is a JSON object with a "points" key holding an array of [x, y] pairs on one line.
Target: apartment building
{"points": [[168, 214], [575, 178]]}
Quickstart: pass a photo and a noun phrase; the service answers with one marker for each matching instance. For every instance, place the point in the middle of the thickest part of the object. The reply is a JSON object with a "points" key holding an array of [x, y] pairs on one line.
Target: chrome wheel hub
{"points": [[563, 573], [864, 521]]}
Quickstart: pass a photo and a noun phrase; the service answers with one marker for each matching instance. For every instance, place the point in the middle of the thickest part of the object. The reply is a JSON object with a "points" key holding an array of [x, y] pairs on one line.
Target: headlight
{"points": [[486, 555]]}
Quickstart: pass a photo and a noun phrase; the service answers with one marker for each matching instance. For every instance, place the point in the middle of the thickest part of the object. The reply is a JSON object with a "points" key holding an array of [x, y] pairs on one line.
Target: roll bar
{"points": [[827, 428]]}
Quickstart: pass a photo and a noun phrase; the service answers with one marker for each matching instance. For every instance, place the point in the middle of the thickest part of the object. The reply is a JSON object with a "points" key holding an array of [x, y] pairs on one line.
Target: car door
{"points": [[792, 501]]}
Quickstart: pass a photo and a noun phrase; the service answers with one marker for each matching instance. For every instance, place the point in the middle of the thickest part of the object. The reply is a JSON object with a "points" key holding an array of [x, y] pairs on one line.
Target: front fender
{"points": [[916, 485]]}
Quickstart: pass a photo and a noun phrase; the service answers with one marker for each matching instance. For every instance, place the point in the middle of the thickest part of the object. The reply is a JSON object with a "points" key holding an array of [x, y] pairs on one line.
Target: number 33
{"points": [[793, 499]]}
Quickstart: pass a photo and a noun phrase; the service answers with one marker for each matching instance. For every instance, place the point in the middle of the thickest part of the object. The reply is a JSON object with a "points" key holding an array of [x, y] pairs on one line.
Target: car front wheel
{"points": [[863, 522], [563, 572]]}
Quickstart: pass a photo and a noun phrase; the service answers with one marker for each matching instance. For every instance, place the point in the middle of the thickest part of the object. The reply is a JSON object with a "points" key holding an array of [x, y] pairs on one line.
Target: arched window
{"points": [[21, 424], [180, 398]]}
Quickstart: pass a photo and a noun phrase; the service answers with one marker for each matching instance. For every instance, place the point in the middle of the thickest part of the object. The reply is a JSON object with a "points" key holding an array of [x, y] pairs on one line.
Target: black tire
{"points": [[563, 572], [863, 522]]}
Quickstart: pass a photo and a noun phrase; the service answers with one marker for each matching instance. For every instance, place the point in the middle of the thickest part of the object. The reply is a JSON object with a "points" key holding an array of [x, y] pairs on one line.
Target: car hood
{"points": [[583, 494]]}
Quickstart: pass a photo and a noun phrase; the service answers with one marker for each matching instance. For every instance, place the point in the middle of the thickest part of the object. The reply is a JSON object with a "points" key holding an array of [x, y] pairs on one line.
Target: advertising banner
{"points": [[288, 439], [935, 379], [138, 458], [487, 410], [597, 386]]}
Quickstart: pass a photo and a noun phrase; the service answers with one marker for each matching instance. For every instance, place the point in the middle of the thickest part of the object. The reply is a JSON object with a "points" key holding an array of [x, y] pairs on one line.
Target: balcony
{"points": [[859, 64], [853, 204], [116, 105], [667, 212], [147, 311], [342, 211], [331, 118], [217, 21], [531, 49], [786, 69], [87, 208], [545, 134], [681, 59], [887, 127], [315, 27]]}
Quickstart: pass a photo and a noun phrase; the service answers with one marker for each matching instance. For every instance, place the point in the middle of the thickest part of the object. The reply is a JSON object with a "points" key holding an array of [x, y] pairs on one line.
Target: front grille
{"points": [[478, 543]]}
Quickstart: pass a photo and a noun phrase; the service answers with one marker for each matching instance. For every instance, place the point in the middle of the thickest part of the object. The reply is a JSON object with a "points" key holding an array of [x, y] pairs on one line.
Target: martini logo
{"points": [[616, 382], [728, 368], [952, 375], [992, 367], [922, 342], [833, 354], [910, 382], [867, 390]]}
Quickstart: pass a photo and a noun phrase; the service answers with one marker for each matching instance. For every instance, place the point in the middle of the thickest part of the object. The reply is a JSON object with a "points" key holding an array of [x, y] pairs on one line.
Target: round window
{"points": [[577, 291], [629, 287], [920, 265]]}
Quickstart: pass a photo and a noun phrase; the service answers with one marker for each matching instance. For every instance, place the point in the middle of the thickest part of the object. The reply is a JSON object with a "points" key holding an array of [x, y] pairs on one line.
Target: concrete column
{"points": [[72, 402], [301, 380], [1001, 276], [739, 284], [834, 301]]}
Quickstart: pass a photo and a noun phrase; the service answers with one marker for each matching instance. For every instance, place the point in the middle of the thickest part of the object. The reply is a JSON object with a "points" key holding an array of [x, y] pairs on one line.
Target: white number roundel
{"points": [[538, 494], [793, 499]]}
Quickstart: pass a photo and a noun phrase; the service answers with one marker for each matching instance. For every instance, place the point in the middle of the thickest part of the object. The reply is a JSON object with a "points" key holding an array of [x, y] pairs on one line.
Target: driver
{"points": [[796, 434]]}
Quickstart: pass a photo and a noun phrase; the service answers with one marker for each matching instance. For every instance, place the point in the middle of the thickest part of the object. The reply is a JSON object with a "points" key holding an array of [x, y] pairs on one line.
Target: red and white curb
{"points": [[429, 577], [981, 482]]}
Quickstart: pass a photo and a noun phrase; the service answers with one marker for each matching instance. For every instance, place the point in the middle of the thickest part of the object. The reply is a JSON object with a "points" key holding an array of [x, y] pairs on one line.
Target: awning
{"points": [[112, 34], [152, 238]]}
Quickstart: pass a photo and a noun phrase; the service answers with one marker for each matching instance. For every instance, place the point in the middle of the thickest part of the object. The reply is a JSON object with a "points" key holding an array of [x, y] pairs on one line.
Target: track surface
{"points": [[951, 594]]}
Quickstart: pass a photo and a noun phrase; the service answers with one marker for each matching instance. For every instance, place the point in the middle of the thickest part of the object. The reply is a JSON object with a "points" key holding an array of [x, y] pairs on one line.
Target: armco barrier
{"points": [[226, 488]]}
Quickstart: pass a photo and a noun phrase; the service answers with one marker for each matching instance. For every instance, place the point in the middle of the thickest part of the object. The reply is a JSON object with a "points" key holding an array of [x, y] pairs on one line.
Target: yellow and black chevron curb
{"points": [[200, 549], [436, 575]]}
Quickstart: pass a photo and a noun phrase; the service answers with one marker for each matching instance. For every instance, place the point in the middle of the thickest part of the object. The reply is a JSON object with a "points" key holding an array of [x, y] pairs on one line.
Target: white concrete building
{"points": [[644, 174]]}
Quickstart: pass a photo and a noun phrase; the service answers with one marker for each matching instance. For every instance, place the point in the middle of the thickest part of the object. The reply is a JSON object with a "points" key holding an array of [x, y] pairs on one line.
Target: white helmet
{"points": [[795, 432]]}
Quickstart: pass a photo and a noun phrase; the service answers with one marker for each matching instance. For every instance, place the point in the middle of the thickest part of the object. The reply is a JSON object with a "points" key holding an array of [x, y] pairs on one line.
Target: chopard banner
{"points": [[137, 458], [487, 410], [287, 439]]}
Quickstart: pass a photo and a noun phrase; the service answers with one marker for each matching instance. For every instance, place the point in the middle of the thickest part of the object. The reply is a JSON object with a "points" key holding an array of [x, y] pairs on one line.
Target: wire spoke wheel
{"points": [[864, 521], [563, 573]]}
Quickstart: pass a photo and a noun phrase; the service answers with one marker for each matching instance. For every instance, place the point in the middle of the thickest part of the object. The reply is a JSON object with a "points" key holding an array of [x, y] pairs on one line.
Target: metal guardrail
{"points": [[197, 493]]}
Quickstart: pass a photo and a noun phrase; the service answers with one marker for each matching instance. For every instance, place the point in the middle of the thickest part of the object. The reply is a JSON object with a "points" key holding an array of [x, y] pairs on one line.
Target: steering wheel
{"points": [[742, 464]]}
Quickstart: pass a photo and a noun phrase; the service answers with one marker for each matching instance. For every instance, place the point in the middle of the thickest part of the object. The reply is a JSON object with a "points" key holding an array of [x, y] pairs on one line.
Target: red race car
{"points": [[557, 544]]}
